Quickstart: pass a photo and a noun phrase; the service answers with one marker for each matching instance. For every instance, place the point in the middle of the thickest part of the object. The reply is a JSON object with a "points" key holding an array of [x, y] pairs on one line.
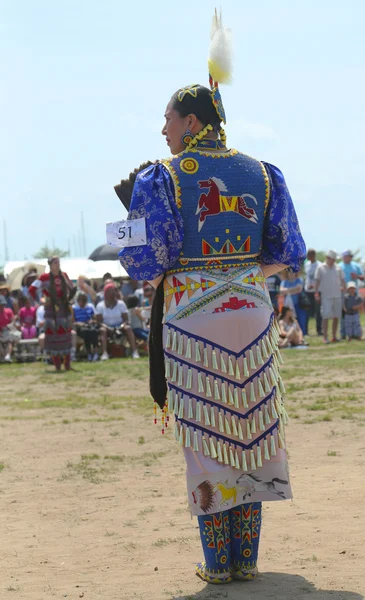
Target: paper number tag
{"points": [[126, 233]]}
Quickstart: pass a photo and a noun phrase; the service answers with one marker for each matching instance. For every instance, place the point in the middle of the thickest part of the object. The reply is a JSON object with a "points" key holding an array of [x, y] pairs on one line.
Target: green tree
{"points": [[47, 252], [321, 256]]}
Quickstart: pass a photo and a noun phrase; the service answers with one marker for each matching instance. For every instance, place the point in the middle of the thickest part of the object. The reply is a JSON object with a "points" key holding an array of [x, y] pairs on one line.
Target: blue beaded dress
{"points": [[220, 336]]}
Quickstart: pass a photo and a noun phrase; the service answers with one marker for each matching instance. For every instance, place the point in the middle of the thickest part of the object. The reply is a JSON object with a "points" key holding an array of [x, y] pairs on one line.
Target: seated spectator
{"points": [[107, 279], [112, 313], [131, 287], [84, 285], [351, 305], [10, 301], [148, 294], [273, 283], [27, 319], [8, 333], [40, 321], [137, 319], [27, 281], [290, 331], [85, 325]]}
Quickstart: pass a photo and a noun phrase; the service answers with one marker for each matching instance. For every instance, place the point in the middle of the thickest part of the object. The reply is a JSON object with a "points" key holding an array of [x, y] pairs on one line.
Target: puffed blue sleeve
{"points": [[153, 199], [282, 240]]}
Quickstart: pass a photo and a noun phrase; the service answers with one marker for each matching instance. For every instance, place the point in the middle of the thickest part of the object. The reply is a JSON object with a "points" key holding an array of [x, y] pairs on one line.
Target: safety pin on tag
{"points": [[123, 234]]}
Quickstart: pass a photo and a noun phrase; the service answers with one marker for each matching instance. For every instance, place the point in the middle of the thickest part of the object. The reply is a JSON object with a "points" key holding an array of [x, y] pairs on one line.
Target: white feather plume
{"points": [[220, 50]]}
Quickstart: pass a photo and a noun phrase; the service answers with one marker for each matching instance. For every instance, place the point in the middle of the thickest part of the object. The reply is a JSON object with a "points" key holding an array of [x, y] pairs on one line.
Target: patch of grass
{"points": [[338, 384], [88, 457], [115, 457], [2, 466], [161, 542], [141, 440], [316, 406], [146, 511], [331, 453]]}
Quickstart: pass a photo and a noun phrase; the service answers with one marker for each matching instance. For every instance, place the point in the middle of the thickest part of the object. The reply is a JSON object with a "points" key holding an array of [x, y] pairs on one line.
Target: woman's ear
{"points": [[193, 123]]}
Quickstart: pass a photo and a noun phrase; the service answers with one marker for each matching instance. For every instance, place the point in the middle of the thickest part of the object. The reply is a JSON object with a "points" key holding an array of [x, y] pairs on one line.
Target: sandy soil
{"points": [[93, 505]]}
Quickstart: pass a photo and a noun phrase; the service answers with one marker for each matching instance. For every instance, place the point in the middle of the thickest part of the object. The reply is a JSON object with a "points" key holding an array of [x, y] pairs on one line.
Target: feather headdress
{"points": [[220, 51]]}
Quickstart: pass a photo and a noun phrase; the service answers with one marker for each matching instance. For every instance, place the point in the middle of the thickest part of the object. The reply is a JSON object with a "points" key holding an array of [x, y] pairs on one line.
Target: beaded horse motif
{"points": [[217, 201]]}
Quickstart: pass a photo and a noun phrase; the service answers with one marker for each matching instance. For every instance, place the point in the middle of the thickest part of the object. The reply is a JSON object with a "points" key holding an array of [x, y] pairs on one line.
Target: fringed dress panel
{"points": [[224, 387]]}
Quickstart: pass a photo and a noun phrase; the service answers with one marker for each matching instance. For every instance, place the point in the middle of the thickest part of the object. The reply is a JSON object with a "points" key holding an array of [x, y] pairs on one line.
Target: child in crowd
{"points": [[291, 334], [136, 318], [27, 318], [352, 303]]}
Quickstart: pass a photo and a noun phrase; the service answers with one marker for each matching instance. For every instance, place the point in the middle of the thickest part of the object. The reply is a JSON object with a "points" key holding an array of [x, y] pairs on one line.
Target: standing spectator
{"points": [[351, 269], [113, 314], [292, 286], [353, 272], [273, 283], [8, 334], [86, 328], [310, 268], [330, 282], [351, 305], [27, 318]]}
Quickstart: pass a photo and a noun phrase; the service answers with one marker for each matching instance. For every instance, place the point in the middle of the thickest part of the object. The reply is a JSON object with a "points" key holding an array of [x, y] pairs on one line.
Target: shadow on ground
{"points": [[271, 586]]}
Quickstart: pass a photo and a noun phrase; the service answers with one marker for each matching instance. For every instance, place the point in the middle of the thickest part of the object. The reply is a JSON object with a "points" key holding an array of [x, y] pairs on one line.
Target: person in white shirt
{"points": [[330, 282], [113, 314], [310, 268]]}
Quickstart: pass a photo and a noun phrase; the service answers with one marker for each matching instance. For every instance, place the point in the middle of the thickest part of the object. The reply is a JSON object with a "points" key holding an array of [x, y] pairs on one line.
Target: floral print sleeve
{"points": [[282, 240], [153, 199]]}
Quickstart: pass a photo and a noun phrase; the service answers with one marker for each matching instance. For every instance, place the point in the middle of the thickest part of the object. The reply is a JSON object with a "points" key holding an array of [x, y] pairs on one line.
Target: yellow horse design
{"points": [[227, 493]]}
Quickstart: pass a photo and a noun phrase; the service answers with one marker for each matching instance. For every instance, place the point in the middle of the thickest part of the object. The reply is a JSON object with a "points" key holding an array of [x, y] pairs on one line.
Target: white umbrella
{"points": [[14, 279]]}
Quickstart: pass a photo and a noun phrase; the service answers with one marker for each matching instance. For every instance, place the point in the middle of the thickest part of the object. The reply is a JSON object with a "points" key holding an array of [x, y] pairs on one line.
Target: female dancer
{"points": [[218, 222], [58, 290]]}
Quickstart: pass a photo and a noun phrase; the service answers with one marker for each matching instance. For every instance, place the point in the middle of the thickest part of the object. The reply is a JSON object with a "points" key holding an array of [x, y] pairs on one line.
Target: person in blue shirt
{"points": [[291, 287], [352, 269], [85, 325]]}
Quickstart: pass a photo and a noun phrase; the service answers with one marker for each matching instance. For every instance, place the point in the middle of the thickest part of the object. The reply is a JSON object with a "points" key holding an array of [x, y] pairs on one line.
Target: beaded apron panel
{"points": [[227, 405], [215, 291]]}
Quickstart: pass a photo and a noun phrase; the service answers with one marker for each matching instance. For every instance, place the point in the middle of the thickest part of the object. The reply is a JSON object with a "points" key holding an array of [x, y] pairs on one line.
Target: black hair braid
{"points": [[53, 293], [158, 385]]}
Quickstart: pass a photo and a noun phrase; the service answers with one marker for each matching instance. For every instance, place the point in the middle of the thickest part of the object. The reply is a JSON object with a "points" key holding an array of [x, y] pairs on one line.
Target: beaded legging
{"points": [[230, 541]]}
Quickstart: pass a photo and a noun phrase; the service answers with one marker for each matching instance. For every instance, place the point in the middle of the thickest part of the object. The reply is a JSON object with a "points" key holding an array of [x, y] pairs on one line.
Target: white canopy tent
{"points": [[74, 267]]}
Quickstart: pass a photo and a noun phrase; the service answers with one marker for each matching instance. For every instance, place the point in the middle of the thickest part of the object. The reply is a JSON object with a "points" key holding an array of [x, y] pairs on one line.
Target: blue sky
{"points": [[84, 86]]}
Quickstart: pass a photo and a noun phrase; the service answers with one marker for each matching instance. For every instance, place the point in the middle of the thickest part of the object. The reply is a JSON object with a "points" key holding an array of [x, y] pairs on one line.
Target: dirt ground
{"points": [[93, 498]]}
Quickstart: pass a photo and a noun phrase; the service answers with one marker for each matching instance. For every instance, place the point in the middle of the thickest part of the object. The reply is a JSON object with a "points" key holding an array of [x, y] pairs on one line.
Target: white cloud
{"points": [[257, 131]]}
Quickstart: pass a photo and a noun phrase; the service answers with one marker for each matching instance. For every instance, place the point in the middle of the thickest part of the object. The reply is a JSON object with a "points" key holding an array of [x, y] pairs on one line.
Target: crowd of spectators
{"points": [[323, 291], [104, 317]]}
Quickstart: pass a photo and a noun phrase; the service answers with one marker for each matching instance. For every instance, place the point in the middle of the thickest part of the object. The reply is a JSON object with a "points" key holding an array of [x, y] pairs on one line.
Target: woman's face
{"points": [[55, 266], [174, 129]]}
